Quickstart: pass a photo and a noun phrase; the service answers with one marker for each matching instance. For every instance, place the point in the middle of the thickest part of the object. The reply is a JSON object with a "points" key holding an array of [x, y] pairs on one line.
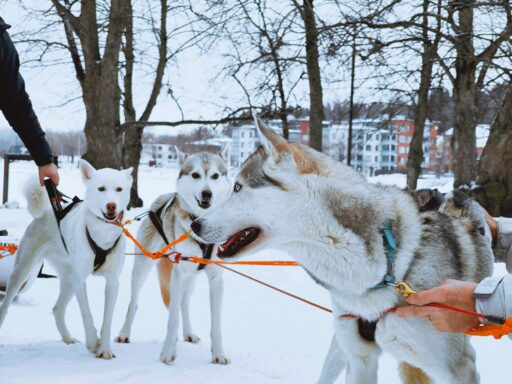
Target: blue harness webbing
{"points": [[390, 249]]}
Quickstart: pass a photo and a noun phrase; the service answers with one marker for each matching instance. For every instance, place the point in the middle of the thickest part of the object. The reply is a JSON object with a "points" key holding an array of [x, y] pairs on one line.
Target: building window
{"points": [[241, 154], [159, 147], [368, 147], [159, 156], [393, 147], [243, 134], [376, 147], [403, 128], [392, 158], [376, 158], [169, 157]]}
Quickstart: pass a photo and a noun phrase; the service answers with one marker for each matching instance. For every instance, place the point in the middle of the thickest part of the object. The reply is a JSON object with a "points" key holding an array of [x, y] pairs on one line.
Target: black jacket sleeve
{"points": [[15, 102]]}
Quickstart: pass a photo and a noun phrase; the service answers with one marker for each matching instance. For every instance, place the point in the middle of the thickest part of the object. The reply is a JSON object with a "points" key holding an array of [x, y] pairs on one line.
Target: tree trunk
{"points": [[464, 136], [495, 168], [415, 157], [131, 158], [316, 105], [101, 99]]}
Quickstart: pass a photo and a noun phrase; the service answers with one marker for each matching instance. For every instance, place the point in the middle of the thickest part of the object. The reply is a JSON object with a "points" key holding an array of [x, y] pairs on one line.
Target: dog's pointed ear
{"points": [[128, 172], [273, 144], [86, 169], [182, 156], [225, 154]]}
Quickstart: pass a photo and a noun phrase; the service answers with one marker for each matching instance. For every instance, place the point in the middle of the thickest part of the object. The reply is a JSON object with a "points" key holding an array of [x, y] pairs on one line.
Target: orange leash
{"points": [[497, 331]]}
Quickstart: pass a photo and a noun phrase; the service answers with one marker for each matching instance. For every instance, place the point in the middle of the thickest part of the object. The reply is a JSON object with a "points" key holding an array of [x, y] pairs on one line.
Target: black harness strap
{"points": [[207, 254], [100, 253]]}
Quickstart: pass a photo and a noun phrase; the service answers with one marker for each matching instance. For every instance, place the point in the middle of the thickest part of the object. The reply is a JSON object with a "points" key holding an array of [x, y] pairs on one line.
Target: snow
{"points": [[270, 338]]}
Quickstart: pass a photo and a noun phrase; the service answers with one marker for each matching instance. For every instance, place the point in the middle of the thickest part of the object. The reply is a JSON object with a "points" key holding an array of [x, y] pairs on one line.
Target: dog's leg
{"points": [[111, 290], [91, 335], [188, 288], [362, 356], [27, 257], [59, 310], [216, 293], [444, 357], [141, 267], [334, 364], [168, 354]]}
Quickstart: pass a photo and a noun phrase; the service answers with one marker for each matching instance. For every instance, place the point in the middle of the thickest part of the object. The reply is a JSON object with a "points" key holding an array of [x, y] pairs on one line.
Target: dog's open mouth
{"points": [[110, 216], [238, 241], [204, 203]]}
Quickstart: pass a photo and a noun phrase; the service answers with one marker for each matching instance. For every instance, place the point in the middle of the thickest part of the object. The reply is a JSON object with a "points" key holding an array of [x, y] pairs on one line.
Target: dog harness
{"points": [[155, 217], [100, 254], [389, 248]]}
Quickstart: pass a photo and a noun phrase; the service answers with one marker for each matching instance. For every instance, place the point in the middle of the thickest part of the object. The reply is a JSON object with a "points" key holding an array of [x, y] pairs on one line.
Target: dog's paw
{"points": [[168, 359], [105, 354], [221, 360], [122, 339], [93, 345], [191, 338], [70, 340]]}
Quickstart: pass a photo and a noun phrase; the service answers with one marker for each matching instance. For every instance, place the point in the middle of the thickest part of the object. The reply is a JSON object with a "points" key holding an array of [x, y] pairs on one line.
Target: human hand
{"points": [[451, 292], [48, 170]]}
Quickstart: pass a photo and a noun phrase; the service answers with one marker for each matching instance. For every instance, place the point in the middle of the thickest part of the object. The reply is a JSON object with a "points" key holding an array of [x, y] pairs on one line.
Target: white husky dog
{"points": [[203, 183], [337, 226], [90, 244]]}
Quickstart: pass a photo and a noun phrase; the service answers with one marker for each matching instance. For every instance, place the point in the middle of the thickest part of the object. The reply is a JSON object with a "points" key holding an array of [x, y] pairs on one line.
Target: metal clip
{"points": [[402, 288]]}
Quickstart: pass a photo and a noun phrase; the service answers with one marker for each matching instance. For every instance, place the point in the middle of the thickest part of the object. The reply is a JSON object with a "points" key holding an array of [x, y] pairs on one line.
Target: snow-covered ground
{"points": [[269, 338]]}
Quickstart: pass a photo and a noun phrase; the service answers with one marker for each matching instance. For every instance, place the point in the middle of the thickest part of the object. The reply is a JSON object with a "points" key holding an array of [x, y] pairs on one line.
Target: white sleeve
{"points": [[499, 301]]}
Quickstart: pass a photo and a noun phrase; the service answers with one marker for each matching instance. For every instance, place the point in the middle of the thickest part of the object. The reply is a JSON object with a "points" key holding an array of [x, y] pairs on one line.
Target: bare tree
{"points": [[428, 55], [494, 170], [316, 103]]}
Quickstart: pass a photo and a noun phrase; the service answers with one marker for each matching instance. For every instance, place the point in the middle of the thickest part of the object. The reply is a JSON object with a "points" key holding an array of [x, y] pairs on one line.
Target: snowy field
{"points": [[269, 338]]}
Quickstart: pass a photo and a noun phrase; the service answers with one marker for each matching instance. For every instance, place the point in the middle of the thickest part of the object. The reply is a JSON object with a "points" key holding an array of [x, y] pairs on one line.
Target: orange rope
{"points": [[497, 331], [200, 260]]}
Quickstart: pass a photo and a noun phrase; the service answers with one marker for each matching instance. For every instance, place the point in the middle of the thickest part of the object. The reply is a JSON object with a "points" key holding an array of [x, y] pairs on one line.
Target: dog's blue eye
{"points": [[195, 175], [237, 187], [101, 189], [215, 176]]}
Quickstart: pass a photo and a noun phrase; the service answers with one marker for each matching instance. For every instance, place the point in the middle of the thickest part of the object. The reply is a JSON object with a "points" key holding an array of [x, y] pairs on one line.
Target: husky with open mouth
{"points": [[203, 183], [85, 242], [340, 228]]}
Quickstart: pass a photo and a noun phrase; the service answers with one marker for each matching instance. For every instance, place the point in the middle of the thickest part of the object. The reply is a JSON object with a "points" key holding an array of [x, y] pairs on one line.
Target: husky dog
{"points": [[332, 221], [203, 183], [86, 243]]}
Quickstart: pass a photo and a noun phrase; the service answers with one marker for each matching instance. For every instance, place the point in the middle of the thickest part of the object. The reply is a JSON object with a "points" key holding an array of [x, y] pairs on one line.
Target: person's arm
{"points": [[17, 109], [503, 245]]}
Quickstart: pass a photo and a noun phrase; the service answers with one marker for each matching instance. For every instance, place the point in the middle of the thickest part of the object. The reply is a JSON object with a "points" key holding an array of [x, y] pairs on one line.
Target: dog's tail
{"points": [[164, 275], [37, 200]]}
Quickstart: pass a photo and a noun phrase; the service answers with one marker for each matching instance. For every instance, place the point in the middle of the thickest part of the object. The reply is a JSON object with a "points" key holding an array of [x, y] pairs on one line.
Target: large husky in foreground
{"points": [[203, 183], [330, 219], [86, 232]]}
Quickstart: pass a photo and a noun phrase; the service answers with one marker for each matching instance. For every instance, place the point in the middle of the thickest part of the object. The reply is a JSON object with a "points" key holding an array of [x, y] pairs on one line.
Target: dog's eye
{"points": [[215, 176], [119, 189], [101, 189], [237, 187], [195, 175]]}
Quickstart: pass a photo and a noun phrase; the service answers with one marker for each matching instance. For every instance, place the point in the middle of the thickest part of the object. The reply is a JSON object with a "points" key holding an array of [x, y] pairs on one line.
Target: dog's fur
{"points": [[329, 218], [213, 171], [42, 240]]}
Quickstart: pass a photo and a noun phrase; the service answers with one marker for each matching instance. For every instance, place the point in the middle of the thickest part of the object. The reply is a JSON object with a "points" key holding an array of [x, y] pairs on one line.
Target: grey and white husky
{"points": [[203, 182], [330, 219]]}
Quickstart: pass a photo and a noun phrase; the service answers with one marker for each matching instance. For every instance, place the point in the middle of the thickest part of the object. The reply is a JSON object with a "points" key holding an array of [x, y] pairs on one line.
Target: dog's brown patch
{"points": [[413, 375], [164, 275]]}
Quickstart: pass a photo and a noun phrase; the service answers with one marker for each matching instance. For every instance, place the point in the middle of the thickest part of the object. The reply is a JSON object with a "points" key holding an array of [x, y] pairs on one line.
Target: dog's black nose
{"points": [[206, 195], [196, 226]]}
